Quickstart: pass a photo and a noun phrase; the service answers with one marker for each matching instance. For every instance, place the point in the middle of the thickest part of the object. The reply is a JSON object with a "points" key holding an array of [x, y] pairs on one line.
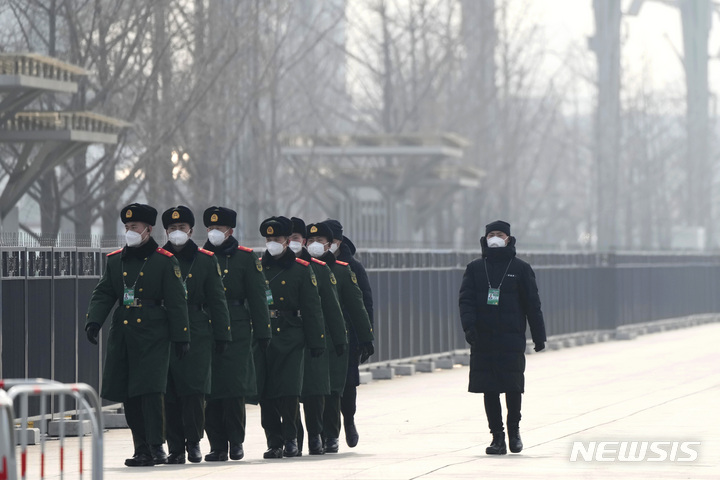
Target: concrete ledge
{"points": [[462, 359], [425, 367], [365, 378], [32, 436], [114, 420], [444, 363], [404, 369], [386, 373], [73, 428]]}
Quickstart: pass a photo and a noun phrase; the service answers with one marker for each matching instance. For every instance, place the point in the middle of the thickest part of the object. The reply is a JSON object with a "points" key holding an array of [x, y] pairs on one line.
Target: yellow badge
{"points": [[270, 231], [258, 264], [128, 214], [219, 272], [214, 218], [175, 215], [332, 279], [353, 277], [313, 280], [313, 229], [177, 272]]}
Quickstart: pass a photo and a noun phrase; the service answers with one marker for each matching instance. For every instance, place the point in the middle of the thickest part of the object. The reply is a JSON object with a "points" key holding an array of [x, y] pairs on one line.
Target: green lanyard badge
{"points": [[493, 297]]}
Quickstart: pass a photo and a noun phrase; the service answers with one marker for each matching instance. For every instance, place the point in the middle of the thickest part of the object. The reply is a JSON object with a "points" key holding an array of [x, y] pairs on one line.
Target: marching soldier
{"points": [[316, 376], [233, 370], [145, 280], [319, 239], [297, 322], [189, 378]]}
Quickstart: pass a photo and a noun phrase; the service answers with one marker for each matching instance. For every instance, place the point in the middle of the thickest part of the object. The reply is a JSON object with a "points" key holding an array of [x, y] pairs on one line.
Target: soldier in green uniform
{"points": [[233, 370], [319, 239], [316, 376], [152, 312], [189, 378], [297, 323]]}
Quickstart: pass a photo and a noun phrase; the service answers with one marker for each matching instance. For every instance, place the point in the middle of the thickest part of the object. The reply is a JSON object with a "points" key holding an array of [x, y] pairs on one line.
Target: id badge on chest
{"points": [[128, 296], [268, 296], [493, 296]]}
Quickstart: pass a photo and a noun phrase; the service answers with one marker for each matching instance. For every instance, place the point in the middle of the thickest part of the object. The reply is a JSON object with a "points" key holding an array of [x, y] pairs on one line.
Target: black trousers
{"points": [[493, 410], [331, 416], [279, 420], [225, 422], [313, 407], [348, 403], [145, 415], [184, 420]]}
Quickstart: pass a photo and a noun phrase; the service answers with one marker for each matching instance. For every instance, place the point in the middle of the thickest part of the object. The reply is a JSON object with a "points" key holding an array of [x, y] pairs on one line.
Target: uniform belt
{"points": [[140, 302], [196, 307], [284, 313], [235, 303]]}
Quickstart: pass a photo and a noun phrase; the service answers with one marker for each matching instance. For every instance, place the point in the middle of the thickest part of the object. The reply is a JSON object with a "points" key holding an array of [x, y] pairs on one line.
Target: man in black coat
{"points": [[344, 250], [498, 298]]}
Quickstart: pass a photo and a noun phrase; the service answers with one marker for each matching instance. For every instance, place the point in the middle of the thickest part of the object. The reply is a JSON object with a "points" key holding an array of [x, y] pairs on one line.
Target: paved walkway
{"points": [[658, 387]]}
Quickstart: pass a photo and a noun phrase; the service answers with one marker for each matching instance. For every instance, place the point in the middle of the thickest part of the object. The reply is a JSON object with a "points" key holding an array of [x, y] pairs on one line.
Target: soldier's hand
{"points": [[220, 346], [92, 331], [340, 349], [181, 349], [316, 352], [263, 343], [470, 336], [366, 351], [539, 346]]}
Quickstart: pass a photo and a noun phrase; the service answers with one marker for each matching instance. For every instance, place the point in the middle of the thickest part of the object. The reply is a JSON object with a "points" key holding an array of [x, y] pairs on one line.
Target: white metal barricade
{"points": [[7, 440], [88, 406]]}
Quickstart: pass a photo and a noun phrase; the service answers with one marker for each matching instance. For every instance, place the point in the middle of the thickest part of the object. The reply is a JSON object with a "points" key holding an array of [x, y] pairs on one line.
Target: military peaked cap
{"points": [[276, 227], [220, 216], [319, 230], [298, 226], [179, 214], [138, 212]]}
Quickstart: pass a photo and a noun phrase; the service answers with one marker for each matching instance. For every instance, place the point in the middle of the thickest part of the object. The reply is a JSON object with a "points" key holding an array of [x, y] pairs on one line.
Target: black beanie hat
{"points": [[276, 227], [319, 230], [138, 212], [220, 216], [298, 226], [498, 225], [179, 214], [335, 227]]}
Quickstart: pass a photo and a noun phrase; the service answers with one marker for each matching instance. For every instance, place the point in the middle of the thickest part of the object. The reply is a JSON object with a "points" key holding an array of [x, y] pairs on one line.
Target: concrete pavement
{"points": [[662, 387]]}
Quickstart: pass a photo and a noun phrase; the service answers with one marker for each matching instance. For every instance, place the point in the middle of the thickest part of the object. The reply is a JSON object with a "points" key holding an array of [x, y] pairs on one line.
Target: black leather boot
{"points": [[236, 451], [315, 445], [514, 441], [497, 447], [193, 451], [291, 449], [158, 454]]}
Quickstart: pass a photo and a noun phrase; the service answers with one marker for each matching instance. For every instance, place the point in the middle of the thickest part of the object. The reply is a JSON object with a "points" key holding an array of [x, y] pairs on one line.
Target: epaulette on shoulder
{"points": [[116, 251], [206, 252], [320, 262], [302, 262], [344, 264], [164, 252], [245, 249]]}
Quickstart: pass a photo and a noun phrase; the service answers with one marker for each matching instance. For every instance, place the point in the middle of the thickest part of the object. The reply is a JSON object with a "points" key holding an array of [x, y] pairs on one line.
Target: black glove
{"points": [[316, 352], [220, 346], [92, 331], [470, 336], [181, 349], [263, 343], [340, 349], [539, 346], [366, 350]]}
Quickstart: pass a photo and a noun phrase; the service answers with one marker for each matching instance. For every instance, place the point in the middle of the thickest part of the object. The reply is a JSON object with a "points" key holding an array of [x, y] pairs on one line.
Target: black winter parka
{"points": [[497, 359]]}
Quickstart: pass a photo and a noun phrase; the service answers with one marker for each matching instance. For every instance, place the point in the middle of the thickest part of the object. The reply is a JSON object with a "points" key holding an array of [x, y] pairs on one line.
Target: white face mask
{"points": [[295, 246], [333, 247], [216, 237], [495, 242], [316, 249], [178, 237], [274, 248], [133, 239]]}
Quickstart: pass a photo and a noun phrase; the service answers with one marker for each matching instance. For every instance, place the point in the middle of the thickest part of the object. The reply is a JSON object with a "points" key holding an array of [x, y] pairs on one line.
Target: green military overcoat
{"points": [[351, 301], [294, 289], [209, 318], [316, 377], [233, 371], [138, 346]]}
